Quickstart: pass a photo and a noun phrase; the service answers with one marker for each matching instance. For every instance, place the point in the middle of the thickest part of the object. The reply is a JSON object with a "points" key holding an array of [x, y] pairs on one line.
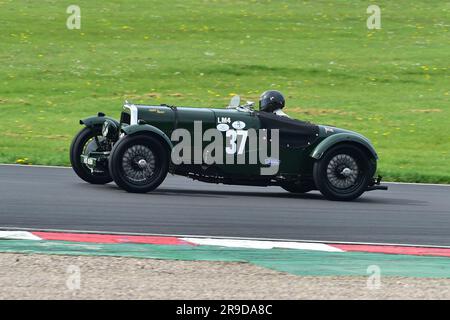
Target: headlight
{"points": [[109, 129]]}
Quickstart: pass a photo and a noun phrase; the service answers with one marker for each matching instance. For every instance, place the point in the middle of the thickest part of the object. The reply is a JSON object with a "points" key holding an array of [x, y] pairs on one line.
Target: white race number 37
{"points": [[236, 141]]}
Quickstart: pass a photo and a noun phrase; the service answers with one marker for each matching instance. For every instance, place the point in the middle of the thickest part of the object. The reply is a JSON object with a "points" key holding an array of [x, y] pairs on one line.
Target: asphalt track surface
{"points": [[55, 198]]}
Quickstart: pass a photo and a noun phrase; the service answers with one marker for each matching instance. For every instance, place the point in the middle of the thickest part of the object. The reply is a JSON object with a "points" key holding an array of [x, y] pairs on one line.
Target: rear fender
{"points": [[330, 141]]}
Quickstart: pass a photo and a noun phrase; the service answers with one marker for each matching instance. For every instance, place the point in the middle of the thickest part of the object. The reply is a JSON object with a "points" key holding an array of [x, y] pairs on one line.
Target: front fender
{"points": [[146, 129], [97, 121], [330, 141]]}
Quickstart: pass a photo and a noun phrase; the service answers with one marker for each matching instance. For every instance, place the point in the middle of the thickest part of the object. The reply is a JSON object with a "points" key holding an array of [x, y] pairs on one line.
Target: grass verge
{"points": [[391, 85]]}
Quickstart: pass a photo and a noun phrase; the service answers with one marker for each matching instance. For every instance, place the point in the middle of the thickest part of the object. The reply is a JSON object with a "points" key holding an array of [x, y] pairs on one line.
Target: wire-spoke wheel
{"points": [[86, 141], [139, 163], [343, 173]]}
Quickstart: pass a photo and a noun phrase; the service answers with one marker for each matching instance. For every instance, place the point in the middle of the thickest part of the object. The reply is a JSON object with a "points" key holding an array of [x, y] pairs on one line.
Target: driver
{"points": [[272, 101]]}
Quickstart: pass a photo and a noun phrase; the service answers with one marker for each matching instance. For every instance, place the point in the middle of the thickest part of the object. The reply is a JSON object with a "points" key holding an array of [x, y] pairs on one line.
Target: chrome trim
{"points": [[133, 112]]}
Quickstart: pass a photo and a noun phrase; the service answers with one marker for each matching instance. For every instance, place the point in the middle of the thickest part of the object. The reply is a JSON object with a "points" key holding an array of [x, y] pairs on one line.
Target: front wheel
{"points": [[86, 141], [343, 173], [139, 163]]}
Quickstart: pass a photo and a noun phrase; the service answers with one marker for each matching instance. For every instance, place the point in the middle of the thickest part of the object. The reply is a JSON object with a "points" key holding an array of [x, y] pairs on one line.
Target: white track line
{"points": [[32, 166], [18, 235], [417, 184], [262, 244], [223, 237]]}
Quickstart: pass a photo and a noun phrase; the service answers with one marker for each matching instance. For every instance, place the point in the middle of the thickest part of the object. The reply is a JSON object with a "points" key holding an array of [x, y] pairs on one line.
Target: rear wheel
{"points": [[139, 163], [88, 140], [343, 173]]}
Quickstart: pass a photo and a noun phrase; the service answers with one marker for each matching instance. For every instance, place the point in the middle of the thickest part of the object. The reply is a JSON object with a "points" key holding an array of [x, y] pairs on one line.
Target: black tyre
{"points": [[296, 187], [85, 141], [343, 173], [139, 163]]}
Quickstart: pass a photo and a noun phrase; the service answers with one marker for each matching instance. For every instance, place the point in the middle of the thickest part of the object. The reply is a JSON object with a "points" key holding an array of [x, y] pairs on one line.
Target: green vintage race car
{"points": [[237, 145]]}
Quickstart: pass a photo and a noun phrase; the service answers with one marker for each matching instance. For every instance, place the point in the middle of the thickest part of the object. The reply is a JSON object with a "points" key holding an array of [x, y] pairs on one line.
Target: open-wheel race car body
{"points": [[257, 148]]}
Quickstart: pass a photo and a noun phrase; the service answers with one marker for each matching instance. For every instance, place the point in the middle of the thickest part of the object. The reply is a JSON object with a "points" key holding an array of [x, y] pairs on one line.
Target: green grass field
{"points": [[391, 85]]}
